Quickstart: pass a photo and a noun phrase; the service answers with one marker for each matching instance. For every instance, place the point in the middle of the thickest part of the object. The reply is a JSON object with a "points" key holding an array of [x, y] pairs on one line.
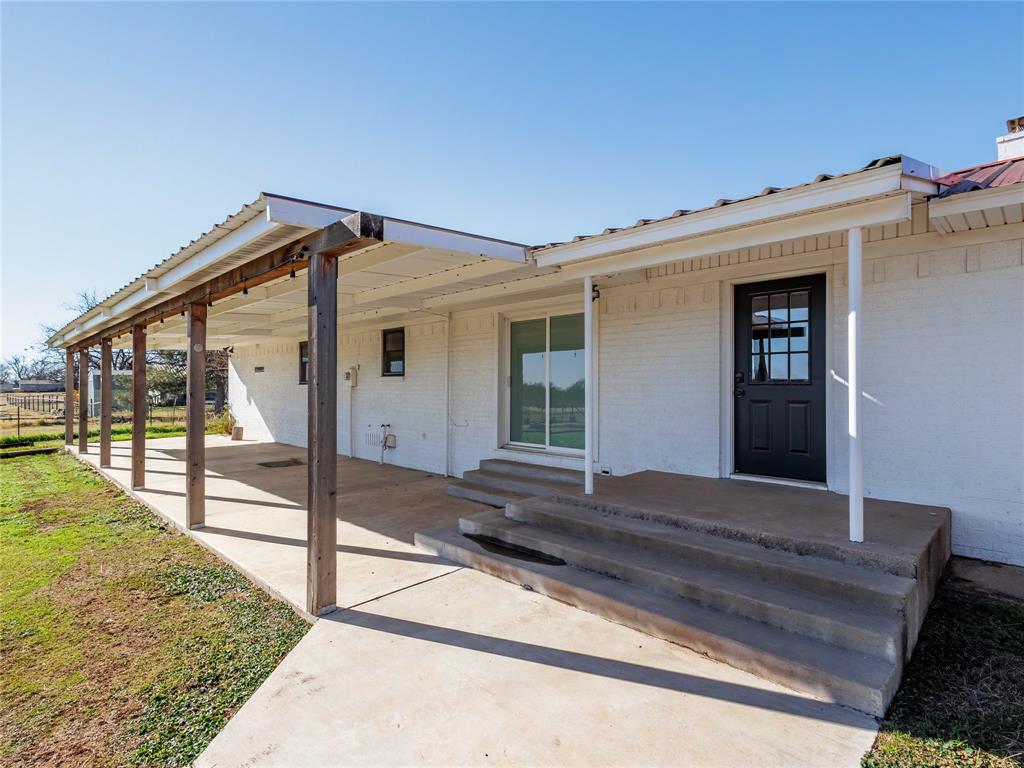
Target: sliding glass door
{"points": [[546, 382]]}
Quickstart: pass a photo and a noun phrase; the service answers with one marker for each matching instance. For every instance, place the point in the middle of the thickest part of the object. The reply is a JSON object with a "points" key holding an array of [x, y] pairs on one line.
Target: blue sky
{"points": [[129, 129]]}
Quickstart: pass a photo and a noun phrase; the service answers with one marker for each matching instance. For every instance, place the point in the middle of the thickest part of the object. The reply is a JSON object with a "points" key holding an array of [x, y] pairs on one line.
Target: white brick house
{"points": [[797, 403], [940, 361], [943, 370]]}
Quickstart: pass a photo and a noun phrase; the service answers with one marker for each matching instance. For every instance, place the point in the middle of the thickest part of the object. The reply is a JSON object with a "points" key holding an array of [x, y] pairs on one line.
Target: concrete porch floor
{"points": [[432, 664], [256, 515]]}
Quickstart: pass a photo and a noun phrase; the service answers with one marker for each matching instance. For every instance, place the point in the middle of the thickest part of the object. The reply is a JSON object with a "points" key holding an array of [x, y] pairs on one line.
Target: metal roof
{"points": [[997, 174], [880, 162], [244, 215]]}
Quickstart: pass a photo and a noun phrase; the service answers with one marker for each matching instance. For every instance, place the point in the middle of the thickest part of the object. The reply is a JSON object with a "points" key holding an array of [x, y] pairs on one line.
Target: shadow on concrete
{"points": [[396, 502], [415, 557], [231, 499], [776, 701]]}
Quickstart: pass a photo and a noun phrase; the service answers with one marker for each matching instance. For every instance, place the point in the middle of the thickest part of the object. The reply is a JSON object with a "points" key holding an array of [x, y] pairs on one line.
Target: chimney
{"points": [[1012, 144]]}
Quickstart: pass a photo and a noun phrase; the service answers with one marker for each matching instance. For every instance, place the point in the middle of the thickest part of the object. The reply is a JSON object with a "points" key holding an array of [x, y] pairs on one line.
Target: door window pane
{"points": [[798, 368], [779, 310], [567, 382], [759, 310], [779, 367], [780, 337], [798, 334], [798, 306], [759, 368], [780, 342]]}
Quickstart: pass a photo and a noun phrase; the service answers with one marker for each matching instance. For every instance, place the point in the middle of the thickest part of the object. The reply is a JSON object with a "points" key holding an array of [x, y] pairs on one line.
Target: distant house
{"points": [[38, 385]]}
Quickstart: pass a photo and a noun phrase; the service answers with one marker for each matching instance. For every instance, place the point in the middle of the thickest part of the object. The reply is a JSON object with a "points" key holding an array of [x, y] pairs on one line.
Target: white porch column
{"points": [[588, 384], [854, 239]]}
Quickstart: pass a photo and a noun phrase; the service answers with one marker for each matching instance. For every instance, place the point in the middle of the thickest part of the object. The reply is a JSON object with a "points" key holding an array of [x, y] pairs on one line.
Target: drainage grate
{"points": [[281, 463], [499, 547]]}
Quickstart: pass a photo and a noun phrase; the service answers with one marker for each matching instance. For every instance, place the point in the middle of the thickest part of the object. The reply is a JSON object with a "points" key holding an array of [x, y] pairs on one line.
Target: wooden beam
{"points": [[83, 400], [138, 406], [106, 398], [321, 435], [69, 398], [195, 418], [353, 233]]}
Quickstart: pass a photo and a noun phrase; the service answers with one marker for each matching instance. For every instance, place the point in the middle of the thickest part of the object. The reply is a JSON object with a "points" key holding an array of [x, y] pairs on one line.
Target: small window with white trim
{"points": [[393, 352]]}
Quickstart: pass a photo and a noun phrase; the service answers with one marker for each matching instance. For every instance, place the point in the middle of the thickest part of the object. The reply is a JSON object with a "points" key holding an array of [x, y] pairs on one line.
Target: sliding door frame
{"points": [[505, 416]]}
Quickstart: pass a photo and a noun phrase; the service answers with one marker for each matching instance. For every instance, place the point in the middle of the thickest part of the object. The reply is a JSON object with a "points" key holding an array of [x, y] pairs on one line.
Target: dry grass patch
{"points": [[124, 642], [961, 703]]}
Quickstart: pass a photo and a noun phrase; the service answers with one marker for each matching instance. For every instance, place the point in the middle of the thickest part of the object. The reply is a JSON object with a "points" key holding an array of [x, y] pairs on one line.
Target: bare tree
{"points": [[19, 366], [54, 358]]}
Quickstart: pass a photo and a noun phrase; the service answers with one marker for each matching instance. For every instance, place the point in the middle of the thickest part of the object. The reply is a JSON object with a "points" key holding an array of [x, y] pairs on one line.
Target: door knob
{"points": [[738, 392]]}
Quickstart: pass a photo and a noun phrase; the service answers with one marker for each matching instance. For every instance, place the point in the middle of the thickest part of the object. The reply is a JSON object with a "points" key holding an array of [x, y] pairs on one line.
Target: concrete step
{"points": [[484, 494], [537, 471], [835, 674], [863, 586], [898, 563], [877, 631], [518, 484]]}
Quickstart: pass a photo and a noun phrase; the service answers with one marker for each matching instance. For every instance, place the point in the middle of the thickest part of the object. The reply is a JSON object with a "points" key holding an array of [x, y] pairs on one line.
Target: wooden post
{"points": [[321, 435], [69, 398], [195, 418], [138, 406], [106, 398], [83, 401]]}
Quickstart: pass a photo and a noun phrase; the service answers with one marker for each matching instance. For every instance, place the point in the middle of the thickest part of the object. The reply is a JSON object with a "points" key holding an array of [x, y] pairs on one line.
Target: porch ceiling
{"points": [[404, 268], [389, 282]]}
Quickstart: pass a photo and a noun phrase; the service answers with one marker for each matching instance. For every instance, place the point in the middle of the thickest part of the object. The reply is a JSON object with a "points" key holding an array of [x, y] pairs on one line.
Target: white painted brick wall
{"points": [[474, 389], [659, 380], [943, 362], [943, 377], [272, 405], [412, 404]]}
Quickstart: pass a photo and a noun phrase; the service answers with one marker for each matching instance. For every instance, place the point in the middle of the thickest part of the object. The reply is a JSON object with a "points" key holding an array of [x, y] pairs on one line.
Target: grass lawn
{"points": [[961, 702], [124, 642]]}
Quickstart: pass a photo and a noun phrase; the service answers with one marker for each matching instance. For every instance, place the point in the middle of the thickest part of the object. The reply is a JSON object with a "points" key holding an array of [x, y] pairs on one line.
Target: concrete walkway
{"points": [[431, 664]]}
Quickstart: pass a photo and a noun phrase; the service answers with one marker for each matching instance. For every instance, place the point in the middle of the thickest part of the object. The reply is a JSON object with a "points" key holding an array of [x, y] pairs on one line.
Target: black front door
{"points": [[780, 378]]}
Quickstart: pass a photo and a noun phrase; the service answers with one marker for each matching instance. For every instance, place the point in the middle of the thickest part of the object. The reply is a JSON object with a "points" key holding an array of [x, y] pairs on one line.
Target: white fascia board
{"points": [[245, 234], [152, 287], [887, 210], [978, 200], [298, 213], [824, 194], [449, 240]]}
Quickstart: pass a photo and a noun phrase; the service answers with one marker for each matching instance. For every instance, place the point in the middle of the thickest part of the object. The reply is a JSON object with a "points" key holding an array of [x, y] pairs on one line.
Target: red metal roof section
{"points": [[997, 174]]}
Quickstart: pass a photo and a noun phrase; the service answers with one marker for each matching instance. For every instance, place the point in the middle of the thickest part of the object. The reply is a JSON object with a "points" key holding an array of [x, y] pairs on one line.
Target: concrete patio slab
{"points": [[467, 670], [256, 515], [431, 664]]}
